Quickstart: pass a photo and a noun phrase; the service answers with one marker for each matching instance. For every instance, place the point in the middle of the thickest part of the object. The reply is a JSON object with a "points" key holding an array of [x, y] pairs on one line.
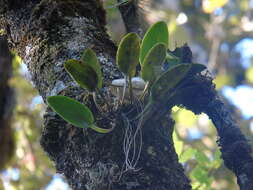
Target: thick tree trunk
{"points": [[48, 32]]}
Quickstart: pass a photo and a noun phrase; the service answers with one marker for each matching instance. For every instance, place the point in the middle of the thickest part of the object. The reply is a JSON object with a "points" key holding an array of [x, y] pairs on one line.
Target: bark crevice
{"points": [[49, 32], [58, 31]]}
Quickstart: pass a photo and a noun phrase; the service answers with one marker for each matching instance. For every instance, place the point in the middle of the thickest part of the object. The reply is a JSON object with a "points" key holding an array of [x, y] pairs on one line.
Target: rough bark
{"points": [[48, 32]]}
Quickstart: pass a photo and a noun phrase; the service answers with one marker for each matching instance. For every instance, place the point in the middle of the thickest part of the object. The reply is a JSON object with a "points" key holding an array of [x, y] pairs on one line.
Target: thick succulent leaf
{"points": [[71, 111], [83, 74], [172, 77], [153, 62], [101, 130], [128, 54], [89, 57], [157, 33], [169, 80], [171, 60]]}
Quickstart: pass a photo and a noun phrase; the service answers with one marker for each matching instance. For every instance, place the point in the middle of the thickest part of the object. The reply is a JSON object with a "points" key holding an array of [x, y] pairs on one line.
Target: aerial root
{"points": [[132, 143]]}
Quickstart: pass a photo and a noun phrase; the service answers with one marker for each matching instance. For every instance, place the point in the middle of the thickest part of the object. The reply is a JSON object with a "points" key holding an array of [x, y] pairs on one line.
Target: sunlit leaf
{"points": [[249, 74], [210, 6], [217, 161], [128, 54], [195, 185], [187, 155], [178, 144], [201, 158], [245, 5], [16, 60], [217, 154], [71, 111], [89, 57], [153, 62], [200, 174], [222, 79], [157, 33], [186, 118], [83, 74]]}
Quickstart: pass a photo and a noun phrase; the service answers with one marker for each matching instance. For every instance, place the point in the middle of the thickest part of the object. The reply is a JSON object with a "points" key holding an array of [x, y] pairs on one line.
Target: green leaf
{"points": [[216, 160], [169, 80], [89, 57], [202, 158], [153, 62], [187, 155], [157, 33], [171, 60], [200, 174], [178, 144], [83, 74], [249, 74], [71, 111], [172, 77], [128, 54]]}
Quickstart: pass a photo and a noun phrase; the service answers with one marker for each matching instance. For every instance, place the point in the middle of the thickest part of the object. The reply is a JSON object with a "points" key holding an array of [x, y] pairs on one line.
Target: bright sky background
{"points": [[242, 96], [57, 184]]}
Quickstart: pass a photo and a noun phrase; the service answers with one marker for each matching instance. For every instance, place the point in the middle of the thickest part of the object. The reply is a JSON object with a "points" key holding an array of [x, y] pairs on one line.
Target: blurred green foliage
{"points": [[30, 165], [249, 75]]}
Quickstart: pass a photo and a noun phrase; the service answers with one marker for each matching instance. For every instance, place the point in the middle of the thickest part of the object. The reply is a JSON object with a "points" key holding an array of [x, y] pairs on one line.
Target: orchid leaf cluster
{"points": [[161, 69]]}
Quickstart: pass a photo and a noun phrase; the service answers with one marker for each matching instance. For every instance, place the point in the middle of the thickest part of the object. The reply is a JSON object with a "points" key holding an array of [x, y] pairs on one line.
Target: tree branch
{"points": [[131, 16], [199, 95], [60, 30]]}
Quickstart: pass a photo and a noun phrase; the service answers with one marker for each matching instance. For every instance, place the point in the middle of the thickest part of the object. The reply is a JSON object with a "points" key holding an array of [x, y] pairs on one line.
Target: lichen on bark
{"points": [[48, 32], [60, 30]]}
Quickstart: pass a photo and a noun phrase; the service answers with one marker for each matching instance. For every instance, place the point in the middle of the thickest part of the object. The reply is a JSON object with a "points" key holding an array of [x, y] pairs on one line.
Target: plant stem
{"points": [[100, 130]]}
